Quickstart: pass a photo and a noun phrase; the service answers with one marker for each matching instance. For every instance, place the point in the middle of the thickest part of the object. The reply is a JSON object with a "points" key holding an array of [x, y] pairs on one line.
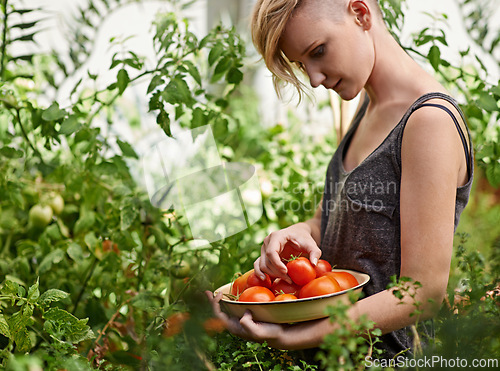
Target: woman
{"points": [[396, 185]]}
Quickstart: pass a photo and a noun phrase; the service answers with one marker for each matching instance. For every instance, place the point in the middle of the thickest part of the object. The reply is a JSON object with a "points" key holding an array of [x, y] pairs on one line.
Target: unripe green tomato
{"points": [[180, 269], [40, 215], [56, 203]]}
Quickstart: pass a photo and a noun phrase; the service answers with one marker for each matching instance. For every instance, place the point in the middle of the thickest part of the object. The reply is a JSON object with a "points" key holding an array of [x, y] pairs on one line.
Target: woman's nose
{"points": [[316, 78]]}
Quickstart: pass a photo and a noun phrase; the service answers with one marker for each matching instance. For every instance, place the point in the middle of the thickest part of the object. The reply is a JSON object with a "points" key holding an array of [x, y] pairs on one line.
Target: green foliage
{"points": [[479, 98], [351, 342], [20, 322], [183, 81], [467, 325]]}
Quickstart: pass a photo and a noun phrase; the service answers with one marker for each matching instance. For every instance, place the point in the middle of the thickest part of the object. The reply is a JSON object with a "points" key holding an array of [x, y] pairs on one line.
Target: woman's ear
{"points": [[362, 13]]}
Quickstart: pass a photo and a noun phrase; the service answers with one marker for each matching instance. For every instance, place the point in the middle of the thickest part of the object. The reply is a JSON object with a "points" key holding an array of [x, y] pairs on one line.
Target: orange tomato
{"points": [[174, 323], [280, 286], [319, 286], [301, 271], [322, 267], [253, 280], [256, 294], [290, 250], [344, 279], [285, 297], [213, 326], [240, 284]]}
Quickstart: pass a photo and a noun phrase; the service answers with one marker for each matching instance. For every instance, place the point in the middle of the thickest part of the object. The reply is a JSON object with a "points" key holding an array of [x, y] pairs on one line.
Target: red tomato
{"points": [[253, 280], [301, 271], [285, 297], [290, 250], [280, 286], [322, 267], [240, 284], [344, 279], [256, 294], [319, 286]]}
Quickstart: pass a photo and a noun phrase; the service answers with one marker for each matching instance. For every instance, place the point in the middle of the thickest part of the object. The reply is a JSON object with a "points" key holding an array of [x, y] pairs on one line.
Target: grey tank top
{"points": [[360, 224]]}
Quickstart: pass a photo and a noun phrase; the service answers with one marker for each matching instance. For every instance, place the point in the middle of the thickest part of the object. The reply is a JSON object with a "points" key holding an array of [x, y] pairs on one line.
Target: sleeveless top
{"points": [[360, 224]]}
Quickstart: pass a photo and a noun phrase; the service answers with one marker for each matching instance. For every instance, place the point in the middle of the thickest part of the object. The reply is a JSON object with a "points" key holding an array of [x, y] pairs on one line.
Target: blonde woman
{"points": [[396, 184]]}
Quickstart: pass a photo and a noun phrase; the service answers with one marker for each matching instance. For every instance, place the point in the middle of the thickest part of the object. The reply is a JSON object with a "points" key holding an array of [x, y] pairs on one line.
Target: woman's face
{"points": [[336, 54]]}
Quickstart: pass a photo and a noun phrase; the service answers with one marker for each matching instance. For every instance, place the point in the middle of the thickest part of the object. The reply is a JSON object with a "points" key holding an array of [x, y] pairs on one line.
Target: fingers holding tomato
{"points": [[281, 246], [301, 271]]}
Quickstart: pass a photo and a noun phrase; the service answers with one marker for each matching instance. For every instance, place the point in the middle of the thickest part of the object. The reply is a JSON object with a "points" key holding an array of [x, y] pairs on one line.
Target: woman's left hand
{"points": [[246, 327]]}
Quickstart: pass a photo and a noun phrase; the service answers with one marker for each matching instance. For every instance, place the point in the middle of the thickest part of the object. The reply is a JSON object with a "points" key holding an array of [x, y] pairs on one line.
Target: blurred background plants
{"points": [[93, 276]]}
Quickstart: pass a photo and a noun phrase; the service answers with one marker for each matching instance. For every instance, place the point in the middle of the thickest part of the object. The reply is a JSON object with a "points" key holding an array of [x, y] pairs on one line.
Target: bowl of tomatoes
{"points": [[312, 290]]}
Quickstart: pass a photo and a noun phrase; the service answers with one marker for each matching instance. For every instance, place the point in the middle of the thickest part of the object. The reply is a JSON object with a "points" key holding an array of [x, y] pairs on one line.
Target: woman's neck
{"points": [[396, 77]]}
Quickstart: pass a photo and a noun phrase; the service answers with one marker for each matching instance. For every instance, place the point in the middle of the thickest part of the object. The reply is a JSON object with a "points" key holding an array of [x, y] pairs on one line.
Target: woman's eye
{"points": [[318, 52]]}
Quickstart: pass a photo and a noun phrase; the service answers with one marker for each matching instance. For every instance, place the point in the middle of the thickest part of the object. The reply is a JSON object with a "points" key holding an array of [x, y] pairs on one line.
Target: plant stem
{"points": [[4, 40], [84, 286], [6, 245], [25, 136]]}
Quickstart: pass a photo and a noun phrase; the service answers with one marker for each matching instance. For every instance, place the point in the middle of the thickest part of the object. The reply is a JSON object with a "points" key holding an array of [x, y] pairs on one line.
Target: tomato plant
{"points": [[301, 271], [319, 286], [256, 294]]}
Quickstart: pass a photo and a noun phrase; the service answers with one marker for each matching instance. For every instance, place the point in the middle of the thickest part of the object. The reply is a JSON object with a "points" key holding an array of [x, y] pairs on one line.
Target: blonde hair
{"points": [[269, 19]]}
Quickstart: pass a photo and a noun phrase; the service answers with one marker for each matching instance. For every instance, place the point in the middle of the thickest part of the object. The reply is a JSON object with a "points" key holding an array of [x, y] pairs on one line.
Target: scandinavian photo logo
{"points": [[187, 174]]}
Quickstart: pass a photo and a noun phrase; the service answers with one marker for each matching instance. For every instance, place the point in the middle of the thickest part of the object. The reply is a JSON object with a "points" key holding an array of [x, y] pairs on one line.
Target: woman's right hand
{"points": [[299, 235]]}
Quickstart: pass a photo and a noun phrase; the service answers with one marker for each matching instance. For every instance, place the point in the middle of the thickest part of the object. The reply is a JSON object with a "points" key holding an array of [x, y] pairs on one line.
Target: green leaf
{"points": [[193, 71], [156, 81], [198, 119], [51, 258], [66, 327], [11, 288], [493, 173], [24, 26], [34, 292], [127, 149], [128, 213], [91, 241], [10, 152], [4, 327], [52, 295], [434, 56], [53, 113], [122, 80], [221, 68], [215, 53], [75, 252], [19, 334], [177, 92], [487, 102], [69, 125], [234, 76], [163, 119], [85, 222]]}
